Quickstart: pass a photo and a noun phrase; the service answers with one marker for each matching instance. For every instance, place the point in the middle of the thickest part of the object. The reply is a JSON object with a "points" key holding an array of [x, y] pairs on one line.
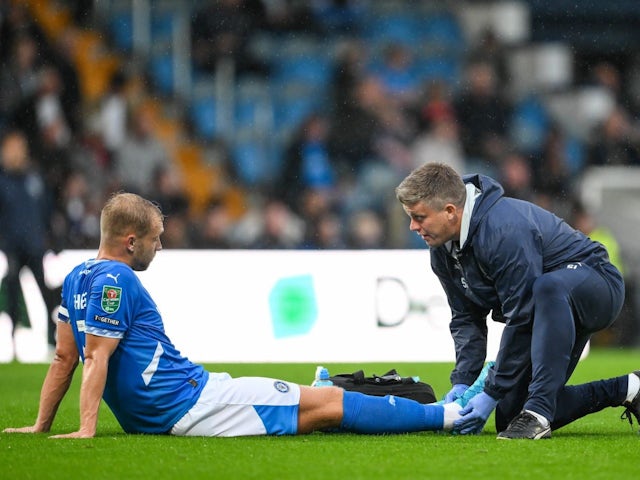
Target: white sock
{"points": [[451, 414], [634, 386], [543, 421]]}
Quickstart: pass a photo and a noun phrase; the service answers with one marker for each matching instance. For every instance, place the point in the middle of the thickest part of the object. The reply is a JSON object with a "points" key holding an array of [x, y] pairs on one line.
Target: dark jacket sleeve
{"points": [[514, 263], [468, 329]]}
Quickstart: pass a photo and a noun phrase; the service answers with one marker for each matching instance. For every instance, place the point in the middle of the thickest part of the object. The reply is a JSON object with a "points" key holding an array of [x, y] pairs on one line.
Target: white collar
{"points": [[472, 195]]}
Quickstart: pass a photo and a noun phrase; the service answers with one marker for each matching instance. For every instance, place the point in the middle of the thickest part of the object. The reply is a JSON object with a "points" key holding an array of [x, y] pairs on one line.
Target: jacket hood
{"points": [[491, 192]]}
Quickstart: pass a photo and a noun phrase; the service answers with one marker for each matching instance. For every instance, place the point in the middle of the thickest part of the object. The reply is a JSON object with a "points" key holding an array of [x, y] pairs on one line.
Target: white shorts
{"points": [[232, 407]]}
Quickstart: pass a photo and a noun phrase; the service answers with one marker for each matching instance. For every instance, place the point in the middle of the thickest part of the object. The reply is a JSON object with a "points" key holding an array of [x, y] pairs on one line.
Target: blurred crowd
{"points": [[335, 187]]}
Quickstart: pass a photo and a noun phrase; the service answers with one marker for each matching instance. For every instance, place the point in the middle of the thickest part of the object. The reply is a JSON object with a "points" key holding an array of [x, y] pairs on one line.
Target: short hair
{"points": [[124, 212], [435, 184]]}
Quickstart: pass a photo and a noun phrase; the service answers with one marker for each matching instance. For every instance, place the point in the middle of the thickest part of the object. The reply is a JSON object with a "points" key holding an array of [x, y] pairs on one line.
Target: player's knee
{"points": [[548, 285]]}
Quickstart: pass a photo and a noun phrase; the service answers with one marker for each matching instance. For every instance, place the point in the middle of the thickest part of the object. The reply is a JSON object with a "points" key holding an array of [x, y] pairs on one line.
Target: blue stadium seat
{"points": [[438, 67], [290, 112], [161, 70], [121, 27], [529, 124], [310, 69], [401, 27], [203, 116], [441, 30], [161, 25], [251, 161]]}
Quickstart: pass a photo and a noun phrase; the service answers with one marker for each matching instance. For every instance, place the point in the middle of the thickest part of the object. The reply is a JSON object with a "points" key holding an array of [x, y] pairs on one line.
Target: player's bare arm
{"points": [[56, 383], [98, 350]]}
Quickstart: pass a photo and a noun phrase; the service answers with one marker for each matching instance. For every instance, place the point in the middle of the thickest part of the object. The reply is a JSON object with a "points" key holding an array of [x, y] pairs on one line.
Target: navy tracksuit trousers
{"points": [[571, 304]]}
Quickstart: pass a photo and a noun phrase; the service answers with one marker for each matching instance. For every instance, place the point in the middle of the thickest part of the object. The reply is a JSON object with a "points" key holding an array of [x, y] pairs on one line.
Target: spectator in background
{"points": [[45, 122], [76, 222], [616, 141], [18, 23], [626, 328], [516, 176], [168, 193], [325, 232], [491, 50], [113, 115], [24, 216], [60, 56], [356, 125], [366, 230], [280, 228], [583, 220], [221, 29], [483, 116], [438, 140], [214, 231], [307, 164], [397, 76], [18, 76], [141, 155], [553, 172], [349, 70], [338, 16]]}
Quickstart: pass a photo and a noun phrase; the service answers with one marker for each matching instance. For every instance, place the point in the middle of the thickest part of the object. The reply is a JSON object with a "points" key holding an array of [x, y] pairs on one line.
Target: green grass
{"points": [[597, 446]]}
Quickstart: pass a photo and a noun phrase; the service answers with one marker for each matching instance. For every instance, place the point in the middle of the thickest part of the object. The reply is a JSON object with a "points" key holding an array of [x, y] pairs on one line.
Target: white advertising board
{"points": [[279, 306]]}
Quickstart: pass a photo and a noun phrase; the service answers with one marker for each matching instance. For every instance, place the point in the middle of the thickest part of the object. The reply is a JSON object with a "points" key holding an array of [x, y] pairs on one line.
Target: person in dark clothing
{"points": [[550, 285], [24, 205]]}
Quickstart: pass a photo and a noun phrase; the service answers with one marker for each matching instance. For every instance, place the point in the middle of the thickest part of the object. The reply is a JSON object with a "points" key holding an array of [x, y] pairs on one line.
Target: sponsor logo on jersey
{"points": [[110, 321], [111, 297], [281, 386]]}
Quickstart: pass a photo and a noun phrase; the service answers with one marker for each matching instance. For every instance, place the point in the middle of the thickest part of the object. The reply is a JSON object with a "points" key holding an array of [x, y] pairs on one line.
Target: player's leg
{"points": [[12, 282], [233, 407], [331, 407]]}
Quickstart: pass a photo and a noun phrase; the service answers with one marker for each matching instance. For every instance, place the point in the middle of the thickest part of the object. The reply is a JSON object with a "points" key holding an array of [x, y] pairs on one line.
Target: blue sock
{"points": [[388, 414]]}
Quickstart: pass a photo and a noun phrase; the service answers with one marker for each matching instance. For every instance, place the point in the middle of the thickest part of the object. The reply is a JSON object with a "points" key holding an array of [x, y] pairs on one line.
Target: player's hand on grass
{"points": [[475, 414], [29, 429], [456, 392]]}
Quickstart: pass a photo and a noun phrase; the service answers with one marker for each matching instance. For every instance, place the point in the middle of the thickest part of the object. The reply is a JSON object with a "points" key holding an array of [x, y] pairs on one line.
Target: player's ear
{"points": [[131, 240]]}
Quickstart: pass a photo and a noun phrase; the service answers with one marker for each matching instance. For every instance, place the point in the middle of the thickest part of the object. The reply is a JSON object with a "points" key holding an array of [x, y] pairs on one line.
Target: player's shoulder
{"points": [[106, 272]]}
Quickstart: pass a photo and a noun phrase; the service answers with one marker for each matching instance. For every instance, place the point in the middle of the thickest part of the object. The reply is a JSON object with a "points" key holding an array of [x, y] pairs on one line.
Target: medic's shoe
{"points": [[525, 426], [633, 407]]}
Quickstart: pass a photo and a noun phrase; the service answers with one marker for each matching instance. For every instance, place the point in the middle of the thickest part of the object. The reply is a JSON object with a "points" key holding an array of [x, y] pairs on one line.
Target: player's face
{"points": [[146, 247], [436, 227]]}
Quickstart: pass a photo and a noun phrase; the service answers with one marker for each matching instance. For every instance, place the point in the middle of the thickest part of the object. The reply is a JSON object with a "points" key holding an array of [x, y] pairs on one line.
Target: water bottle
{"points": [[322, 378]]}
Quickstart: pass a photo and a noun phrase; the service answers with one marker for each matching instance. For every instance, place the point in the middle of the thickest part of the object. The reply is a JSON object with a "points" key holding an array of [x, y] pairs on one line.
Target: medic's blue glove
{"points": [[475, 414], [456, 392]]}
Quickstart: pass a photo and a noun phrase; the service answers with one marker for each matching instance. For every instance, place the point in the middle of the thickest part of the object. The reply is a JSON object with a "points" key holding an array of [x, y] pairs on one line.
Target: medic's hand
{"points": [[456, 392], [475, 414]]}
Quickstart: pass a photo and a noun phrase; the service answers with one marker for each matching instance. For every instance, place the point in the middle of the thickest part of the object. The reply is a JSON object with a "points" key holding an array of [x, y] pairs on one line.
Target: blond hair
{"points": [[435, 184], [127, 213]]}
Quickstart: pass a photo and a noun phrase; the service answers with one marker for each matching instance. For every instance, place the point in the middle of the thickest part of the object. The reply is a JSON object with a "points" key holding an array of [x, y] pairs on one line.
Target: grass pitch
{"points": [[599, 446]]}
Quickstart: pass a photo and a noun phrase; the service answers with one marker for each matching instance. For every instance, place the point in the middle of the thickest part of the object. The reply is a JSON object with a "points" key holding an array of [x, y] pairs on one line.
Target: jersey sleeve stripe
{"points": [[103, 332]]}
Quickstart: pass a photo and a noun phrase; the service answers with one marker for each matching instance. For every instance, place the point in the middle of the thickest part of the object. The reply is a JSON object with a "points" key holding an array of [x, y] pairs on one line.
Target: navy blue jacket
{"points": [[24, 213], [510, 244]]}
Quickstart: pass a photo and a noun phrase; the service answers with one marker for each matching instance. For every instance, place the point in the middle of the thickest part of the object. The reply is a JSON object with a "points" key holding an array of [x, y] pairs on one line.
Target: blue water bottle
{"points": [[322, 378]]}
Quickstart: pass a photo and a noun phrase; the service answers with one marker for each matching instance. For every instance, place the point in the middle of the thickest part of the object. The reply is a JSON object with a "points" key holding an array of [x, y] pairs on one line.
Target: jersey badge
{"points": [[281, 386], [111, 297]]}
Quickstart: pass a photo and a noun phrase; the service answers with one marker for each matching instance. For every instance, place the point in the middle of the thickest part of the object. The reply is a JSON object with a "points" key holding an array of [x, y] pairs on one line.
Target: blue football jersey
{"points": [[150, 385]]}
